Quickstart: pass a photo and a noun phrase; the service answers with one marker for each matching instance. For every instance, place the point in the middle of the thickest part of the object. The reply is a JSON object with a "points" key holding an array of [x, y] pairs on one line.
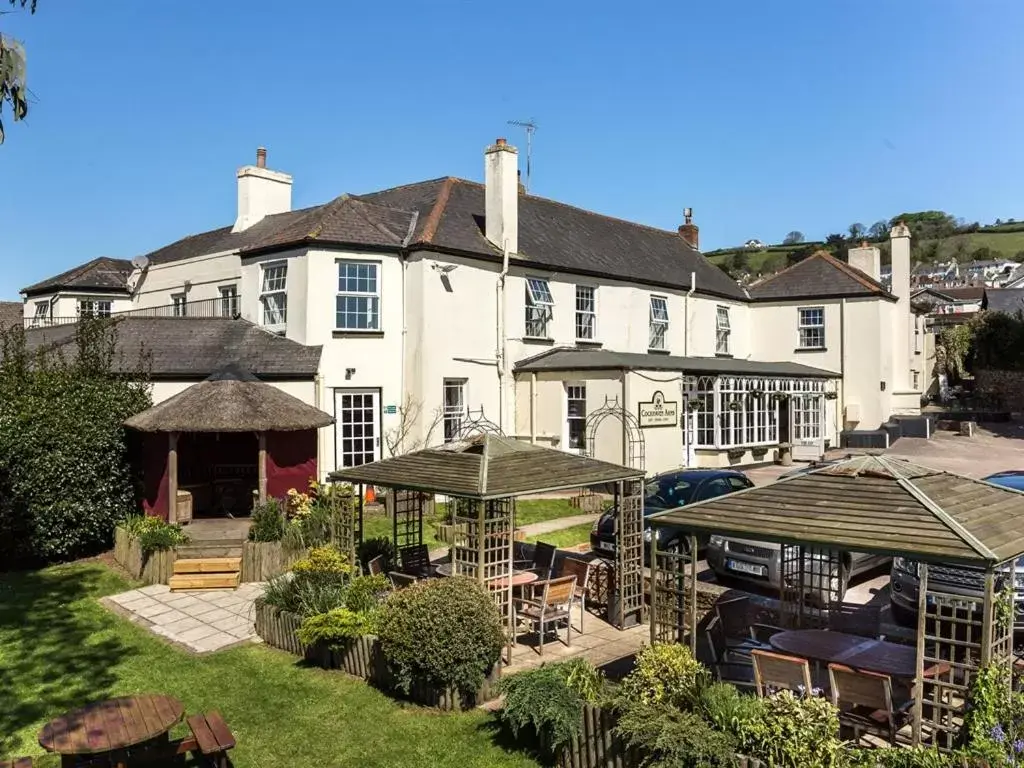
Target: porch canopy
{"points": [[481, 476], [233, 400], [959, 535]]}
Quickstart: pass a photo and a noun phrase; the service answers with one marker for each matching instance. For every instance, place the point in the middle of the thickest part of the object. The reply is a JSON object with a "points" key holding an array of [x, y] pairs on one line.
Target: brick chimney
{"points": [[689, 231], [261, 192]]}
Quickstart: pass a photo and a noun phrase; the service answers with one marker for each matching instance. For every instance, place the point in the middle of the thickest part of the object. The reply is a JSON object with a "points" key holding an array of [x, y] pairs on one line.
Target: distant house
{"points": [[1009, 300], [755, 244], [949, 306], [991, 272]]}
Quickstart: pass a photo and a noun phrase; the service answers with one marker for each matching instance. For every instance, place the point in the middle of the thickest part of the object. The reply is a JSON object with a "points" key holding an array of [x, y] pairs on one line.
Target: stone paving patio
{"points": [[202, 621]]}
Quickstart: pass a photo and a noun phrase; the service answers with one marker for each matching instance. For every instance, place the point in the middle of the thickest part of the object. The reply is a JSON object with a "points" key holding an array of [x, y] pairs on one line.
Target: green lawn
{"points": [[567, 537], [59, 649]]}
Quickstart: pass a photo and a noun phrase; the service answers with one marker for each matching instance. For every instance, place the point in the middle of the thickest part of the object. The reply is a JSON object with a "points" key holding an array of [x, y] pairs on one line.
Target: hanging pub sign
{"points": [[658, 412]]}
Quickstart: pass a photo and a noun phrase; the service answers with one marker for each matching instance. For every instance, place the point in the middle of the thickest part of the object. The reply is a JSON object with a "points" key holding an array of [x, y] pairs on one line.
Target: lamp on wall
{"points": [[349, 373]]}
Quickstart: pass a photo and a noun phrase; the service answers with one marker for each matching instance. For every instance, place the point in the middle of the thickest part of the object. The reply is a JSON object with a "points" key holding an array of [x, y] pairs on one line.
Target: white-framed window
{"points": [[658, 323], [454, 407], [540, 308], [704, 399], [576, 416], [917, 334], [179, 304], [93, 308], [586, 313], [722, 331], [811, 327], [274, 294], [358, 300], [915, 379], [41, 315], [806, 409], [229, 301]]}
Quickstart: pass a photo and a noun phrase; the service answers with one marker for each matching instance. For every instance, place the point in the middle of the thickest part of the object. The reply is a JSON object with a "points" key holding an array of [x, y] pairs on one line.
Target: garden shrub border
{"points": [[362, 657]]}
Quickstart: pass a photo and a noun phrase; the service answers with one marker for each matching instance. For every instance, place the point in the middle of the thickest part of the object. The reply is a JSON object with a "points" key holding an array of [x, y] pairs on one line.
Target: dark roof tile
{"points": [[103, 273], [11, 314], [1003, 300], [820, 275]]}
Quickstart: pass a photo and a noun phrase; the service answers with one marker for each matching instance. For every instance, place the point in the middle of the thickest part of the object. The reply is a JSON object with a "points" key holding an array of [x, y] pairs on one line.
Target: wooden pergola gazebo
{"points": [[233, 401], [481, 476], [956, 529]]}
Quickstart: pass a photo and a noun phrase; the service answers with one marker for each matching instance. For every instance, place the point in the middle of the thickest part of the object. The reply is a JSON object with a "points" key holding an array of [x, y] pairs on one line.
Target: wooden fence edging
{"points": [[362, 657], [155, 568], [262, 560]]}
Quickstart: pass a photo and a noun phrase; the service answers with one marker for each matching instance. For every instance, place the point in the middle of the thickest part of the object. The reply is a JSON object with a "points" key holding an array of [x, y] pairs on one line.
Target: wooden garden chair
{"points": [[865, 702], [776, 670], [570, 566], [552, 606]]}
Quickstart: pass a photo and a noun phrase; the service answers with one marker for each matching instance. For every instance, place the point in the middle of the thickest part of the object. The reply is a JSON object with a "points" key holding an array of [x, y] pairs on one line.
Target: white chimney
{"points": [[501, 206], [867, 259], [903, 336], [899, 244], [261, 192]]}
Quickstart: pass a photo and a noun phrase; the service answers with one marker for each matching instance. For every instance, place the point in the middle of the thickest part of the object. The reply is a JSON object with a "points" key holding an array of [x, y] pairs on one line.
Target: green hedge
{"points": [[65, 475]]}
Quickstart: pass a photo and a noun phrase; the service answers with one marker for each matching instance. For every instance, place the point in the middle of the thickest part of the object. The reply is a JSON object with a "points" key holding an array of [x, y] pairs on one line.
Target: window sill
{"points": [[804, 350], [357, 334], [278, 329], [538, 340], [726, 355], [593, 343], [658, 352]]}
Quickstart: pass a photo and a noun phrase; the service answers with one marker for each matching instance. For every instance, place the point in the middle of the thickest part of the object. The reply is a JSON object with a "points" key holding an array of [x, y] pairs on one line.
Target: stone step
{"points": [[204, 581], [208, 565]]}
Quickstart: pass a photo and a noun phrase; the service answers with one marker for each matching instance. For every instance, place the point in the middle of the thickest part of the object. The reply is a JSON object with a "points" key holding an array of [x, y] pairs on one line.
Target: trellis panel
{"points": [[407, 519], [629, 557]]}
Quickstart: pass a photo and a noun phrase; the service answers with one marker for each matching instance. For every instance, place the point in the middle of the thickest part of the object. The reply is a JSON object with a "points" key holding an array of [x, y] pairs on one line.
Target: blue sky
{"points": [[762, 116]]}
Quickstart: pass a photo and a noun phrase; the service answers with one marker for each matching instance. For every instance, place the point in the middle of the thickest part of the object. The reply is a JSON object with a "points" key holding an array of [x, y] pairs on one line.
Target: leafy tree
{"points": [[12, 73], [927, 225], [65, 474], [983, 253], [793, 238], [836, 245], [879, 230], [857, 231]]}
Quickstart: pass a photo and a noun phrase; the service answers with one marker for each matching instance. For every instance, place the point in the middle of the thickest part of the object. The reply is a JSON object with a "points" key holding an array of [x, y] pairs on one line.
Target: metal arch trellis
{"points": [[635, 451], [477, 423]]}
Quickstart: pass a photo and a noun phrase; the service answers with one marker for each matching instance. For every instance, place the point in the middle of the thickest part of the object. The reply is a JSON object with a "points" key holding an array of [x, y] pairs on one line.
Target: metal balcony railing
{"points": [[205, 308]]}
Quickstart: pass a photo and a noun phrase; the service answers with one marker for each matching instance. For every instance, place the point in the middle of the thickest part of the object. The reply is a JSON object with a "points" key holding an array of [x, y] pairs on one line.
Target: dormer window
{"points": [[540, 308]]}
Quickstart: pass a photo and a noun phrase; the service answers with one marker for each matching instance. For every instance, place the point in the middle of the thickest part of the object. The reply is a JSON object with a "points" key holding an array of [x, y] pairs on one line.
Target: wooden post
{"points": [[693, 595], [262, 467], [922, 629], [172, 477]]}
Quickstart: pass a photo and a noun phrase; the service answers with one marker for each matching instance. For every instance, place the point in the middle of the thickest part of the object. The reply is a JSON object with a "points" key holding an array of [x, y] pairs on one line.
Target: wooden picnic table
{"points": [[519, 577], [111, 727], [861, 653]]}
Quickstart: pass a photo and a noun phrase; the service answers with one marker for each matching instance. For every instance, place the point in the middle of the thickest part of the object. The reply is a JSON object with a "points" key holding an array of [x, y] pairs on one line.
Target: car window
{"points": [[718, 486], [739, 483], [669, 492]]}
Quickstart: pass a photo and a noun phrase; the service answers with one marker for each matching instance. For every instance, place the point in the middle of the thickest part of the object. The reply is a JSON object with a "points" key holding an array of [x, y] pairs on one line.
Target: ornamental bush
{"points": [[447, 632], [268, 521], [335, 627], [154, 534], [665, 674], [792, 731], [65, 475]]}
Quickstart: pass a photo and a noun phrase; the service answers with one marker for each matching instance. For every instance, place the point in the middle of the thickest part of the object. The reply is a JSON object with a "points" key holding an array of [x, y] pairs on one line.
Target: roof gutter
{"points": [[686, 314]]}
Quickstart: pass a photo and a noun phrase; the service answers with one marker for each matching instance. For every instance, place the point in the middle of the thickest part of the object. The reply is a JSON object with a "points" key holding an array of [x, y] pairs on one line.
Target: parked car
{"points": [[968, 582], [669, 490], [760, 562]]}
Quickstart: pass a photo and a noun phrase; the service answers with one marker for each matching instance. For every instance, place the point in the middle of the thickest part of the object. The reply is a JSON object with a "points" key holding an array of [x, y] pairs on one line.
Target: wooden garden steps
{"points": [[206, 573]]}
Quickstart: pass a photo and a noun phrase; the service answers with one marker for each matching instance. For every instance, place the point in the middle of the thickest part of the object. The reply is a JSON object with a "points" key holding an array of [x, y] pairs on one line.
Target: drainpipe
{"points": [[404, 256], [686, 314], [318, 381], [501, 352], [533, 408], [625, 408], [841, 400]]}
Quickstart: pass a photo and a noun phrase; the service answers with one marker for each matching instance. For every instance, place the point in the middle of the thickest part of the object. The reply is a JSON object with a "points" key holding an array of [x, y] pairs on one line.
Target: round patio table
{"points": [[519, 578], [863, 653], [110, 726]]}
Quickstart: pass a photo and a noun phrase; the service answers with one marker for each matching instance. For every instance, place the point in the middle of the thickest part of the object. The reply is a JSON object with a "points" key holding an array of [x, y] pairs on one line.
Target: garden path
{"points": [[202, 621]]}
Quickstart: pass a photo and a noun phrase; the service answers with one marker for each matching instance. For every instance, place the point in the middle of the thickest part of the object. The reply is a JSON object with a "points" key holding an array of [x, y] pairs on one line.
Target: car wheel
{"points": [[903, 616]]}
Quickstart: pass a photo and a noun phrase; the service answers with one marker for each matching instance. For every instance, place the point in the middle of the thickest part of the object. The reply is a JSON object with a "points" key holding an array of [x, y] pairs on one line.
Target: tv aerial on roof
{"points": [[531, 127]]}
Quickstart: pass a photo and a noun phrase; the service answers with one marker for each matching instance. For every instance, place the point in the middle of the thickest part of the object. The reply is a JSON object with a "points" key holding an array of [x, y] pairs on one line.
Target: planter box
{"points": [[362, 657], [262, 560], [156, 568]]}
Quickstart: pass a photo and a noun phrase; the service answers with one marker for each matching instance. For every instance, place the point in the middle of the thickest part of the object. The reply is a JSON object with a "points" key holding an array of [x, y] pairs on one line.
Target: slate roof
{"points": [[230, 400], [874, 504], [103, 274], [1003, 300], [570, 359], [819, 276], [557, 236], [487, 466], [212, 343], [11, 314], [960, 293], [447, 214]]}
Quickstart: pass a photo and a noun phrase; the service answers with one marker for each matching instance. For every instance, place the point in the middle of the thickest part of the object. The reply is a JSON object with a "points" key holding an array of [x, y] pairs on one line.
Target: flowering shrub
{"points": [[325, 563], [994, 722], [268, 523], [298, 504], [789, 730], [154, 534]]}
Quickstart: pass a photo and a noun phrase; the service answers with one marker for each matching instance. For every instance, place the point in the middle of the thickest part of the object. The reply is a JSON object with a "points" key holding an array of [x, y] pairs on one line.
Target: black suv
{"points": [[669, 490]]}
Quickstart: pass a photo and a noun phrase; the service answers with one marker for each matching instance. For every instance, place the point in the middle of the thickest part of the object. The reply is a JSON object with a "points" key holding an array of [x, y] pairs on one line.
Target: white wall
{"points": [[206, 275]]}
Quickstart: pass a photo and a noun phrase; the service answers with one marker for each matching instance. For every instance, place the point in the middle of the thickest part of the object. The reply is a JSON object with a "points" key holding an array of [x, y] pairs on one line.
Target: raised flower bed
{"points": [[145, 548]]}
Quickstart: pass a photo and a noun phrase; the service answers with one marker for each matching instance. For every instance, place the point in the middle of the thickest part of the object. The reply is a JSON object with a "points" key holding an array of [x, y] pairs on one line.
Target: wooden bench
{"points": [[210, 737]]}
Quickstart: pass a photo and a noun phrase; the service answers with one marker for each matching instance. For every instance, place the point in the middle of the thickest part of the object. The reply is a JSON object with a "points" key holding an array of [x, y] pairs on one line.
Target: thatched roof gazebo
{"points": [[230, 401], [953, 530], [482, 476]]}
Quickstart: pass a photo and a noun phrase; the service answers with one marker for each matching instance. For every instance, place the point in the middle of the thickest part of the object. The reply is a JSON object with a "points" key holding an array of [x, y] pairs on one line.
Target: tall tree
{"points": [[793, 238], [878, 230], [12, 72], [857, 231]]}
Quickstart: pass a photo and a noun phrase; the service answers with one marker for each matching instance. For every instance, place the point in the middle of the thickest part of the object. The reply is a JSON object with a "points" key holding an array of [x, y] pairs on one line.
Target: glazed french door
{"points": [[357, 426]]}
